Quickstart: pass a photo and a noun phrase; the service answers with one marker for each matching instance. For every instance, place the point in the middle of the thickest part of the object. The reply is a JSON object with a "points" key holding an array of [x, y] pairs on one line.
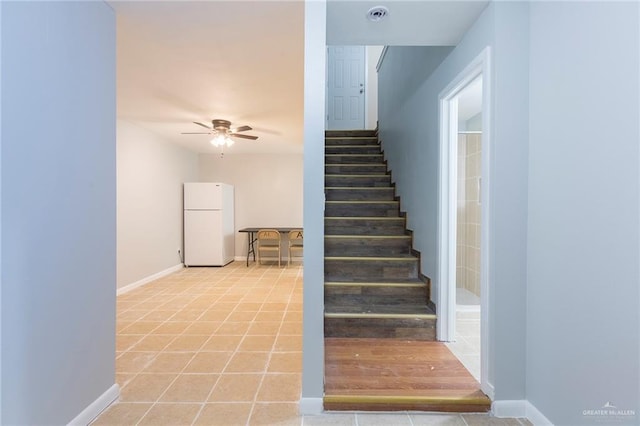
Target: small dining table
{"points": [[251, 237]]}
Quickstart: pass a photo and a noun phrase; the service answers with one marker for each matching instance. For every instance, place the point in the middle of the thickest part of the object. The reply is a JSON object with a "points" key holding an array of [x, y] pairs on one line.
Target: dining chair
{"points": [[295, 243], [269, 242]]}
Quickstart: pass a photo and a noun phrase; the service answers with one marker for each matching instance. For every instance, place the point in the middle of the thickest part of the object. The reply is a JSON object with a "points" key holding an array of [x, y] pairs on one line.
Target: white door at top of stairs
{"points": [[345, 87]]}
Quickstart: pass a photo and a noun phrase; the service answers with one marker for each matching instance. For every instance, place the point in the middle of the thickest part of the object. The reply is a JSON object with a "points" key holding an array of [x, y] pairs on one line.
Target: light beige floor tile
{"points": [[153, 342], [235, 328], [122, 325], [125, 342], [141, 327], [208, 362], [249, 306], [278, 413], [291, 328], [236, 387], [146, 387], [169, 362], [170, 414], [280, 387], [293, 316], [190, 388], [285, 362], [159, 315], [295, 307], [224, 414], [123, 378], [134, 362], [264, 328], [187, 315], [222, 343], [269, 316], [241, 316], [214, 315], [132, 315], [273, 307], [203, 327], [288, 343], [487, 420], [437, 420], [122, 414], [247, 362], [172, 327], [224, 306], [400, 419], [187, 342], [330, 419], [257, 343]]}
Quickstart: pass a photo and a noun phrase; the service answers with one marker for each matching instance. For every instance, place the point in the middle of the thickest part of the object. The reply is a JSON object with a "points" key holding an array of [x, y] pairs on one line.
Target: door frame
{"points": [[447, 210]]}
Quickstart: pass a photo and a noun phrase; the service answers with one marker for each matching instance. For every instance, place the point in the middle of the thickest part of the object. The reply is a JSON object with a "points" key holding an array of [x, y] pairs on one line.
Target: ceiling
{"points": [[184, 61]]}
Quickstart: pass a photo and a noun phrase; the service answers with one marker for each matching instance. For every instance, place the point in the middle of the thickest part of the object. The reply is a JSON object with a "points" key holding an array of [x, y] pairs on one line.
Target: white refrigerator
{"points": [[209, 234]]}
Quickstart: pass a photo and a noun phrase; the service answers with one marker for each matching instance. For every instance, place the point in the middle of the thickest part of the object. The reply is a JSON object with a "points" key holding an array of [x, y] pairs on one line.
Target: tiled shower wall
{"points": [[468, 241]]}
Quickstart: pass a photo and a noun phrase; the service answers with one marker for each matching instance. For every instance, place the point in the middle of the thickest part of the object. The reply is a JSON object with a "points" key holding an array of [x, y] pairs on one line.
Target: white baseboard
{"points": [[509, 408], [488, 390], [146, 280], [244, 259], [519, 408], [310, 406], [94, 409], [536, 417]]}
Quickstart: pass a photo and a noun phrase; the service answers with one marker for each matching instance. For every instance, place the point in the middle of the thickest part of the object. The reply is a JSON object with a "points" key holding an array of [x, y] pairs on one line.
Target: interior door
{"points": [[345, 87]]}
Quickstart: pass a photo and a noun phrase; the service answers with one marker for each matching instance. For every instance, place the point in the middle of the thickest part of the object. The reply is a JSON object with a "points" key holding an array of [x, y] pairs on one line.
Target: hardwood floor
{"points": [[395, 374]]}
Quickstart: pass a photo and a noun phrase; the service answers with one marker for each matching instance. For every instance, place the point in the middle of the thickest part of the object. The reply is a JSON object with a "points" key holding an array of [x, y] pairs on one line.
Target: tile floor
{"points": [[467, 344], [223, 346]]}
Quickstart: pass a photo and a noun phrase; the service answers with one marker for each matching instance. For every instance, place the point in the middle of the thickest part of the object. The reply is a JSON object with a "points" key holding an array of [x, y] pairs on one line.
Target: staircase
{"points": [[372, 282]]}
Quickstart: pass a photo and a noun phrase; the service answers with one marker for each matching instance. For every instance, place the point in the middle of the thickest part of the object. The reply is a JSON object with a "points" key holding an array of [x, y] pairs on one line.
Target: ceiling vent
{"points": [[377, 13]]}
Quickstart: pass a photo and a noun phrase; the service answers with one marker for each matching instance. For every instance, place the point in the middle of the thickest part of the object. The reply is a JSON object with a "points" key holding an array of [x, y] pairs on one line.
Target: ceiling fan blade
{"points": [[236, 135], [203, 125], [241, 129], [195, 133]]}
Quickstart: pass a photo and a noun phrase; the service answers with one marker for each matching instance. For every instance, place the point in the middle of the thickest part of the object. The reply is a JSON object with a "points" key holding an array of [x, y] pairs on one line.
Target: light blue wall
{"points": [[474, 124], [313, 214], [58, 209], [583, 290], [564, 197], [409, 131]]}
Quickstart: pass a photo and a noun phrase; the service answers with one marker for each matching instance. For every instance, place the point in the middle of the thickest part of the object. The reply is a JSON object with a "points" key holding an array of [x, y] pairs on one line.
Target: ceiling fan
{"points": [[222, 132]]}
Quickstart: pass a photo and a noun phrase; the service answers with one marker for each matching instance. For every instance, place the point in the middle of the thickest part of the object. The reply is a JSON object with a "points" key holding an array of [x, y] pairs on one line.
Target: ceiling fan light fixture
{"points": [[221, 140]]}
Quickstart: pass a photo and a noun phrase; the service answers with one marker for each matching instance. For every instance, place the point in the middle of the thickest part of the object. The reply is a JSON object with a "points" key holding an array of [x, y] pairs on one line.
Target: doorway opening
{"points": [[463, 241]]}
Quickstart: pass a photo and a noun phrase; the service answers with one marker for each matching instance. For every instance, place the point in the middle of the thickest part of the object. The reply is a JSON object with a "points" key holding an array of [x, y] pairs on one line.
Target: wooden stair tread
{"points": [[362, 202], [357, 175], [400, 258], [364, 218], [372, 310], [370, 237], [376, 283], [397, 375]]}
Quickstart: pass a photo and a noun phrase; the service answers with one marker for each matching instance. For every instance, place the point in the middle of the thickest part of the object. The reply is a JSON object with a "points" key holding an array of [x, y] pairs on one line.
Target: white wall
{"points": [[268, 189], [373, 55], [58, 209], [151, 172], [583, 292], [408, 118]]}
